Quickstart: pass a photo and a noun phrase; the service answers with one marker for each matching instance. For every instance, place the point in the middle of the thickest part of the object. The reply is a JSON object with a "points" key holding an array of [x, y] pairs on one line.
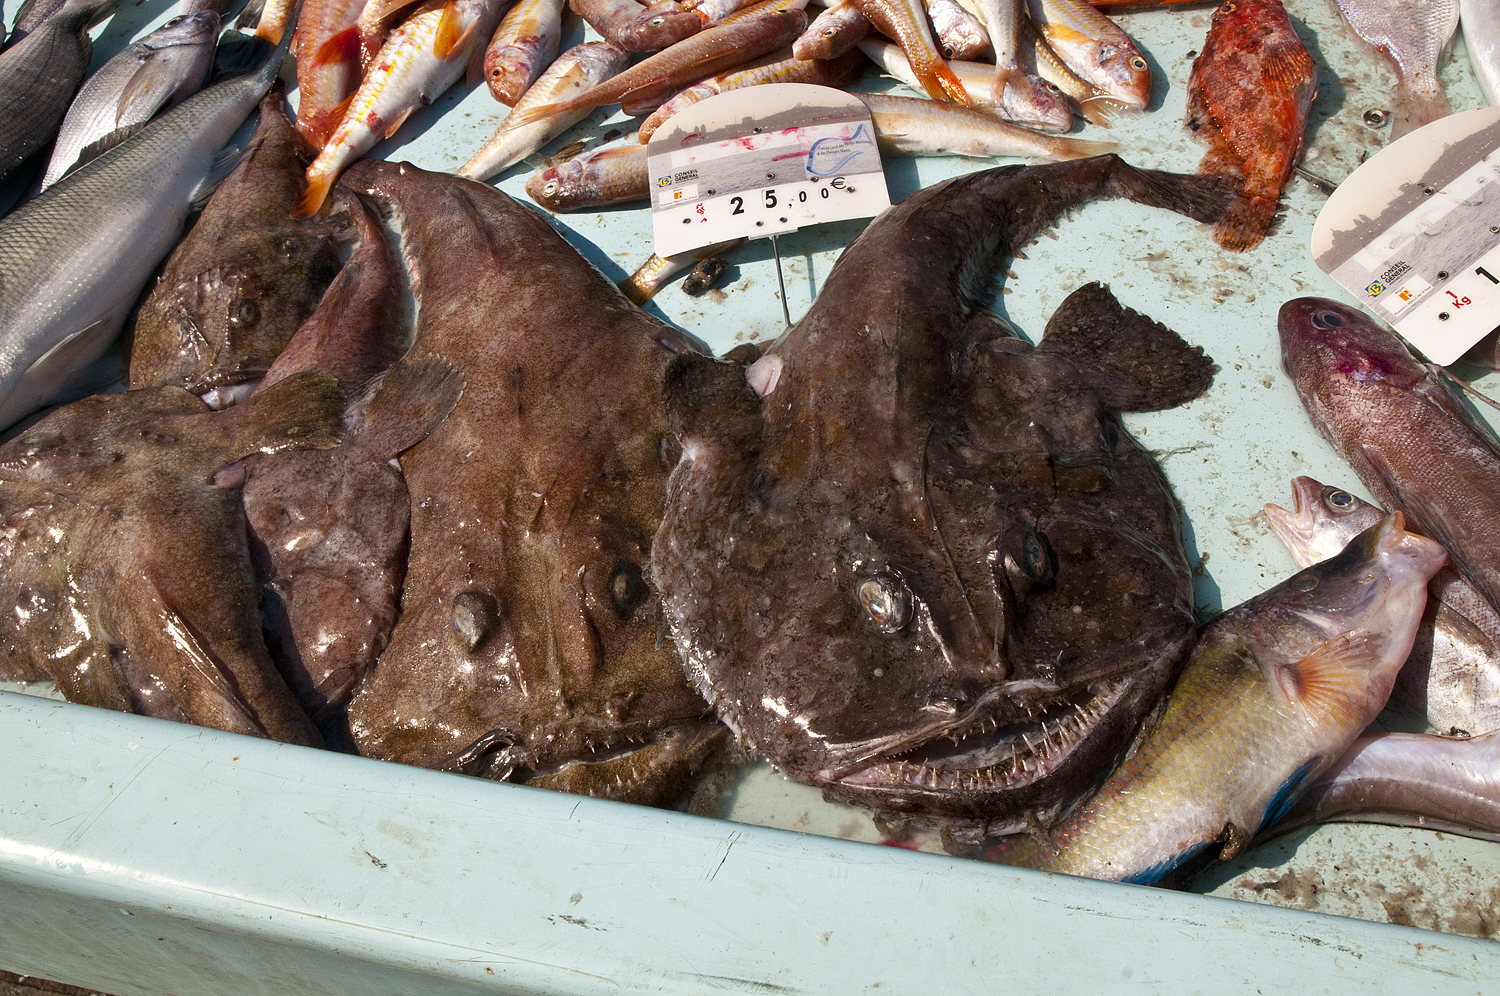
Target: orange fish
{"points": [[1248, 95]]}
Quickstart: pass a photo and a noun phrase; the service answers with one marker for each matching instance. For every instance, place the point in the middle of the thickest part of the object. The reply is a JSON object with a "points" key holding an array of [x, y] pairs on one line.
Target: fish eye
{"points": [[830, 32], [1229, 8], [887, 600], [1304, 582], [550, 188], [657, 22], [1139, 64], [1111, 434], [290, 247], [244, 313], [174, 21], [186, 327], [1326, 319], [627, 588], [1339, 501], [474, 615], [1028, 559]]}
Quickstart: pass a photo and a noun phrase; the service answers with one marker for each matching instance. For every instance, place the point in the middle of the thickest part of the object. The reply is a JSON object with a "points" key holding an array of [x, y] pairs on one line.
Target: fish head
{"points": [[1329, 349], [1323, 520], [1333, 636], [1122, 72], [195, 29], [217, 332], [907, 633]]}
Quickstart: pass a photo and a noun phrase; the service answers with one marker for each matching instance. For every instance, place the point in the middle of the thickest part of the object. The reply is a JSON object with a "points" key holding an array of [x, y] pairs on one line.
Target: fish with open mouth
{"points": [[529, 646], [237, 288], [1453, 675], [124, 553], [1276, 690], [914, 560]]}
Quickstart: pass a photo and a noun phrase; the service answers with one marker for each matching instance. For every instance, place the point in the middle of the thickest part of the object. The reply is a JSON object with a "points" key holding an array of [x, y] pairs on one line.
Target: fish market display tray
{"points": [[146, 857]]}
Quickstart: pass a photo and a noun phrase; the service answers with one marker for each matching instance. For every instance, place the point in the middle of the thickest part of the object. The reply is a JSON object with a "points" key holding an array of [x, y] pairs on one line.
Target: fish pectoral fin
{"points": [[1234, 839], [474, 69], [409, 401], [98, 147], [342, 47], [400, 120], [224, 163], [152, 85], [448, 32], [66, 359], [1135, 364], [305, 410], [1331, 683]]}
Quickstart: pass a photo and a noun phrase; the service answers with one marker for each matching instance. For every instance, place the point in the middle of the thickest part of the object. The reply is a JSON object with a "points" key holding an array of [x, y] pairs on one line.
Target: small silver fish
{"points": [[154, 74]]}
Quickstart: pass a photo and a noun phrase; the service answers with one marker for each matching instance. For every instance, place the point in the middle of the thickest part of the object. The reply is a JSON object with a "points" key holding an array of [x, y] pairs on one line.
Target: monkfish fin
{"points": [[304, 411], [407, 402], [1135, 364]]}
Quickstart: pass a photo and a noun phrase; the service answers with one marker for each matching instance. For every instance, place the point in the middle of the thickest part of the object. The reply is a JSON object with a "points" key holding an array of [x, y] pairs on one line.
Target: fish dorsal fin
{"points": [[1135, 364], [99, 146], [449, 31], [1333, 682], [225, 161], [146, 92], [407, 402], [305, 410], [379, 10]]}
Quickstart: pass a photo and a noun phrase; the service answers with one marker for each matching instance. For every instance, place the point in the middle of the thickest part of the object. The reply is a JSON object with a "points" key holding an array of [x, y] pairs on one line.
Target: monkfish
{"points": [[916, 561]]}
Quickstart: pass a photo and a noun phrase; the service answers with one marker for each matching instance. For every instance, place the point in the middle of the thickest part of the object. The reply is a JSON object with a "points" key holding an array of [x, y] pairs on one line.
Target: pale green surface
{"points": [[286, 841]]}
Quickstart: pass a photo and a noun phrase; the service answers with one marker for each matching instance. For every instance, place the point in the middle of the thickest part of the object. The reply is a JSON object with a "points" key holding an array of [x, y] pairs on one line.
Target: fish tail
{"points": [[1245, 222], [1415, 108], [1202, 198], [948, 87], [1100, 110], [1079, 148], [318, 185]]}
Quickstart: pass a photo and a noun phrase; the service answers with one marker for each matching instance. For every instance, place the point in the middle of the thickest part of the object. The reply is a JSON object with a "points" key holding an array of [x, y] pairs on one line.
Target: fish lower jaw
{"points": [[996, 754], [228, 395]]}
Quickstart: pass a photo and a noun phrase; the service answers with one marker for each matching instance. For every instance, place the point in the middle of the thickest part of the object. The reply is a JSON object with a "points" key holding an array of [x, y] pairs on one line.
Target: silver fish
{"points": [[73, 261], [1412, 34], [156, 73]]}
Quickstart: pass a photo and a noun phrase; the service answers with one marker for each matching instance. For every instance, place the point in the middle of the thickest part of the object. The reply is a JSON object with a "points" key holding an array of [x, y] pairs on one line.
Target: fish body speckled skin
{"points": [[1276, 690], [1412, 34], [1249, 95]]}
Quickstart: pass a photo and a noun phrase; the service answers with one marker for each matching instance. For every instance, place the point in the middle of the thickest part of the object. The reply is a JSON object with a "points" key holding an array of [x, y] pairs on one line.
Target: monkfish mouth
{"points": [[1013, 736]]}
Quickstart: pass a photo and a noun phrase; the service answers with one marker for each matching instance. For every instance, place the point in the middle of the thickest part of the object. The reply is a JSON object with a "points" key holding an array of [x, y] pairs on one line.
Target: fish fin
{"points": [[146, 92], [1331, 682], [950, 88], [1099, 110], [341, 47], [1160, 870], [379, 10], [1246, 222], [239, 53], [518, 118], [316, 193], [1135, 364], [1081, 148], [99, 146], [1413, 110], [339, 111], [305, 411], [407, 402], [1283, 798], [226, 161], [1202, 198], [448, 32], [474, 69], [65, 361], [400, 120]]}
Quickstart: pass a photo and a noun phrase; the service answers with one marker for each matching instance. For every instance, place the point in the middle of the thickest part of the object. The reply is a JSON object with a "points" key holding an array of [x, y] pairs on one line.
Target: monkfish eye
{"points": [[474, 615], [244, 313], [1139, 64], [627, 588], [657, 22], [1029, 560], [1326, 319], [1304, 582], [887, 600], [1339, 501]]}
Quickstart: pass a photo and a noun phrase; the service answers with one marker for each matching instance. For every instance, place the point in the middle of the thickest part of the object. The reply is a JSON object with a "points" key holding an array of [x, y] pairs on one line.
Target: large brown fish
{"points": [[1248, 96], [920, 563], [529, 643], [124, 553], [244, 280], [1403, 430], [329, 527]]}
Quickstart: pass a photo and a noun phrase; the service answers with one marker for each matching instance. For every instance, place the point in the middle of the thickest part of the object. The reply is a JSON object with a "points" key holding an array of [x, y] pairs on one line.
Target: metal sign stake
{"points": [[785, 311]]}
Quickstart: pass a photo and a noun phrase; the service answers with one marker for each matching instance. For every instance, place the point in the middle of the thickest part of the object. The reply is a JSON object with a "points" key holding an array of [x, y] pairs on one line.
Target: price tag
{"points": [[1414, 234], [762, 160]]}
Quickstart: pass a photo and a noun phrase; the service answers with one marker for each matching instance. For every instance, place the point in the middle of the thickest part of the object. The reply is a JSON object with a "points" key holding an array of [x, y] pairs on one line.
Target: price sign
{"points": [[1414, 234], [762, 160]]}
